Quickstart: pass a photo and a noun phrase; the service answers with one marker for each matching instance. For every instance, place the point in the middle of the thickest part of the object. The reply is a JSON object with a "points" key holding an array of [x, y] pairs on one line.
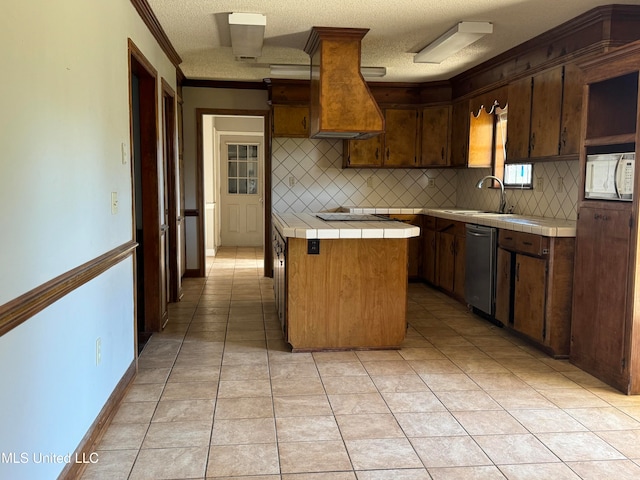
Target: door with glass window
{"points": [[241, 222]]}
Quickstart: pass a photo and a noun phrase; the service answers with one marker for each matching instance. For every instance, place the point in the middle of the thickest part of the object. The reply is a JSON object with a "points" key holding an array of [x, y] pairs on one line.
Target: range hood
{"points": [[341, 103]]}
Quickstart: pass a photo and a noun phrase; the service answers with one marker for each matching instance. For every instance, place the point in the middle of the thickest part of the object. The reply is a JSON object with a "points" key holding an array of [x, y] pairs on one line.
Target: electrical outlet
{"points": [[292, 181], [560, 185], [98, 351], [539, 183], [114, 203], [431, 183], [370, 182]]}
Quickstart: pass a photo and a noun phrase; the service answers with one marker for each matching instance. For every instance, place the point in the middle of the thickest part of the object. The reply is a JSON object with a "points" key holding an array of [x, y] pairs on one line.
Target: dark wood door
{"points": [[503, 286], [460, 133], [290, 121], [436, 122], [429, 256], [459, 265], [546, 112], [364, 153], [401, 149], [518, 128], [599, 328], [529, 296], [446, 261], [571, 110]]}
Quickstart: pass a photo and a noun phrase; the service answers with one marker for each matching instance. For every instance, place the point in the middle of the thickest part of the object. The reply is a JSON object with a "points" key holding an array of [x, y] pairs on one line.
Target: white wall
{"points": [[65, 113]]}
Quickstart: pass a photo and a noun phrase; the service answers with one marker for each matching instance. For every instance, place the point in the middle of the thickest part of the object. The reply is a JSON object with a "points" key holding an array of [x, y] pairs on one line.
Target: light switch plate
{"points": [[124, 152], [114, 203]]}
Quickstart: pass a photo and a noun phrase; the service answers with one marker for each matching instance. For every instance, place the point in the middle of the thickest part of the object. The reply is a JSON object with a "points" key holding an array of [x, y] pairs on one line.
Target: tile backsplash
{"points": [[307, 176]]}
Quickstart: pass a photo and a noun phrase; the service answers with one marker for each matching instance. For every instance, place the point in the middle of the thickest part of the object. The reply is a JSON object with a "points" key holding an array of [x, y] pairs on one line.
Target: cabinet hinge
{"points": [[631, 222], [624, 364]]}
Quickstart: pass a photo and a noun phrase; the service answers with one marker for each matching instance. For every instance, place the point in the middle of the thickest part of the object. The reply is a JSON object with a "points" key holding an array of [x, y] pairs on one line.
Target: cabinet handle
{"points": [[517, 272], [597, 216], [387, 153], [304, 122], [532, 142], [442, 154], [528, 244], [563, 137], [377, 152], [508, 238]]}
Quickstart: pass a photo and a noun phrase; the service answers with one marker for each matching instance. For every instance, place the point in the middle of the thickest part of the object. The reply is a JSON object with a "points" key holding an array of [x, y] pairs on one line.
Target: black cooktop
{"points": [[351, 217]]}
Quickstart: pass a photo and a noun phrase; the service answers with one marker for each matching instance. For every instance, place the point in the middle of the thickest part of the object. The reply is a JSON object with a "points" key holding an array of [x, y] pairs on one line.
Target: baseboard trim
{"points": [[89, 442], [27, 305]]}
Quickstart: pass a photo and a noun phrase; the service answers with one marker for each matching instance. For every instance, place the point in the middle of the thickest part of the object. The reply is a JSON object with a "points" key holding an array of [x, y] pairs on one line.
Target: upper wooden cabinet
{"points": [[459, 133], [291, 121], [544, 114], [436, 136], [481, 128], [397, 147]]}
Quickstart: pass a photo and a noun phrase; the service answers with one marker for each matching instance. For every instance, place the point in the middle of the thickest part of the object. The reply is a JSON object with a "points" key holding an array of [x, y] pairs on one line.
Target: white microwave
{"points": [[610, 176]]}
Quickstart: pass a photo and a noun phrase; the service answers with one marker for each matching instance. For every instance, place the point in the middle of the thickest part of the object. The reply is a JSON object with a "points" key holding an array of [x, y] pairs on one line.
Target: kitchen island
{"points": [[341, 284]]}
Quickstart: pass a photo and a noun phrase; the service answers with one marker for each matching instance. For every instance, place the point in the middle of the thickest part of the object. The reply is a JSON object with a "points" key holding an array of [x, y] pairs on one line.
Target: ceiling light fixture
{"points": [[303, 71], [247, 34], [459, 37]]}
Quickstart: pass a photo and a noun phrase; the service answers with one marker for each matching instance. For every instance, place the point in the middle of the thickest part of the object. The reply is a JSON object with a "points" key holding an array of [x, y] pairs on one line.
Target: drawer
{"points": [[429, 222], [523, 242], [450, 226]]}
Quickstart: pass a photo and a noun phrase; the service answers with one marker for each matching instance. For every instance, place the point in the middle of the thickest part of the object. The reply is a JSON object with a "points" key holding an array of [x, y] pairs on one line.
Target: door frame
{"points": [[148, 76], [266, 114]]}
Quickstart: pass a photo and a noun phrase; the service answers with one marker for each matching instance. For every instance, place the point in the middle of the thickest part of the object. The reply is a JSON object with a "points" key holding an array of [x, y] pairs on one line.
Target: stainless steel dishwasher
{"points": [[480, 265]]}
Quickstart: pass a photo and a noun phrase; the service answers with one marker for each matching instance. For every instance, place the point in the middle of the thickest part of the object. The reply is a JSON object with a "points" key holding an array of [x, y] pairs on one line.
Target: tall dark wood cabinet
{"points": [[605, 332]]}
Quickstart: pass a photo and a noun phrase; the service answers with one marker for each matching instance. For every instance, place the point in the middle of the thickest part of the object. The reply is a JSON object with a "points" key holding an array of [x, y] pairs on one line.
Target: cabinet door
{"points": [[429, 256], [480, 139], [459, 133], [290, 121], [459, 266], [503, 286], [446, 261], [529, 296], [571, 110], [436, 127], [415, 243], [363, 153], [401, 138], [518, 126], [598, 328], [546, 112]]}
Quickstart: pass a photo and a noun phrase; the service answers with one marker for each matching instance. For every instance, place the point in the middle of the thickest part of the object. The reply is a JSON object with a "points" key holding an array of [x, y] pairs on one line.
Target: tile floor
{"points": [[219, 396]]}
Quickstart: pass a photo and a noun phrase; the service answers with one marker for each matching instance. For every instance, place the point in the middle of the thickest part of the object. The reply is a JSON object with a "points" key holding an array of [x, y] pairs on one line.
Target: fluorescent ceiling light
{"points": [[460, 36], [304, 71], [247, 34]]}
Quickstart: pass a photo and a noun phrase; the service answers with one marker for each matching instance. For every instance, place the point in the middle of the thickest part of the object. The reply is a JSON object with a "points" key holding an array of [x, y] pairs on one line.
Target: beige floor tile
{"points": [[490, 422], [340, 357], [321, 456], [539, 471], [123, 436], [573, 398], [626, 442], [424, 353], [152, 375], [297, 386], [358, 403], [190, 391], [449, 452], [145, 392], [605, 418], [245, 372], [307, 429], [353, 427], [498, 381], [527, 398], [466, 473], [244, 407], [429, 424], [547, 421], [378, 355], [345, 385], [112, 465], [579, 446], [134, 412], [192, 373], [468, 400], [318, 476], [616, 469], [513, 449], [528, 365], [239, 460], [341, 369], [379, 453], [301, 405], [388, 367], [440, 382], [245, 358], [434, 366], [407, 402], [243, 431], [400, 383], [244, 388], [177, 434], [184, 411], [293, 370], [170, 463], [394, 474], [547, 381]]}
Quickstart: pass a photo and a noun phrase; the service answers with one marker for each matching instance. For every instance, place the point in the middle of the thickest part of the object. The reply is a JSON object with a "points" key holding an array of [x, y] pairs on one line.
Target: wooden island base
{"points": [[353, 295]]}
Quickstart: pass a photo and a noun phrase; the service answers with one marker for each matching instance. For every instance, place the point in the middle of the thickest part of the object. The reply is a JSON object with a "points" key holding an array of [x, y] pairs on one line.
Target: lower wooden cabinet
{"points": [[429, 254], [534, 288], [450, 256], [415, 244]]}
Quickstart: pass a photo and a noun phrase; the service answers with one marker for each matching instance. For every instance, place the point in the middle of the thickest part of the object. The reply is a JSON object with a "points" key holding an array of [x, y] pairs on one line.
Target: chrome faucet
{"points": [[503, 200]]}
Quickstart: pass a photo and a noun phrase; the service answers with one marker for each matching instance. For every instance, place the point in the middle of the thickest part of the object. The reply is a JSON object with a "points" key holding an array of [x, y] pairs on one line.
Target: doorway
{"points": [[151, 302]]}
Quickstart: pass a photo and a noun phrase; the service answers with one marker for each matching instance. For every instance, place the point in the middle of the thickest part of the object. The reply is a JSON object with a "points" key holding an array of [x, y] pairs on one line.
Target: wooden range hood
{"points": [[341, 103]]}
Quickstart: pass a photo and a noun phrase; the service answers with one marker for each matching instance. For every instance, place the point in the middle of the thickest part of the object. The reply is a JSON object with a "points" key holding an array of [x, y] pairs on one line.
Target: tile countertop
{"points": [[307, 225], [548, 227]]}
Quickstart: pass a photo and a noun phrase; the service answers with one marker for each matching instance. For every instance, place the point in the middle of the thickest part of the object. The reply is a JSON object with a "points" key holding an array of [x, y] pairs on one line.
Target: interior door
{"points": [[241, 193]]}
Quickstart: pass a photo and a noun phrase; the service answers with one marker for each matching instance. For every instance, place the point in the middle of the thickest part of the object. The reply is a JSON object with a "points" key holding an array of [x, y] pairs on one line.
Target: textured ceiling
{"points": [[199, 31]]}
